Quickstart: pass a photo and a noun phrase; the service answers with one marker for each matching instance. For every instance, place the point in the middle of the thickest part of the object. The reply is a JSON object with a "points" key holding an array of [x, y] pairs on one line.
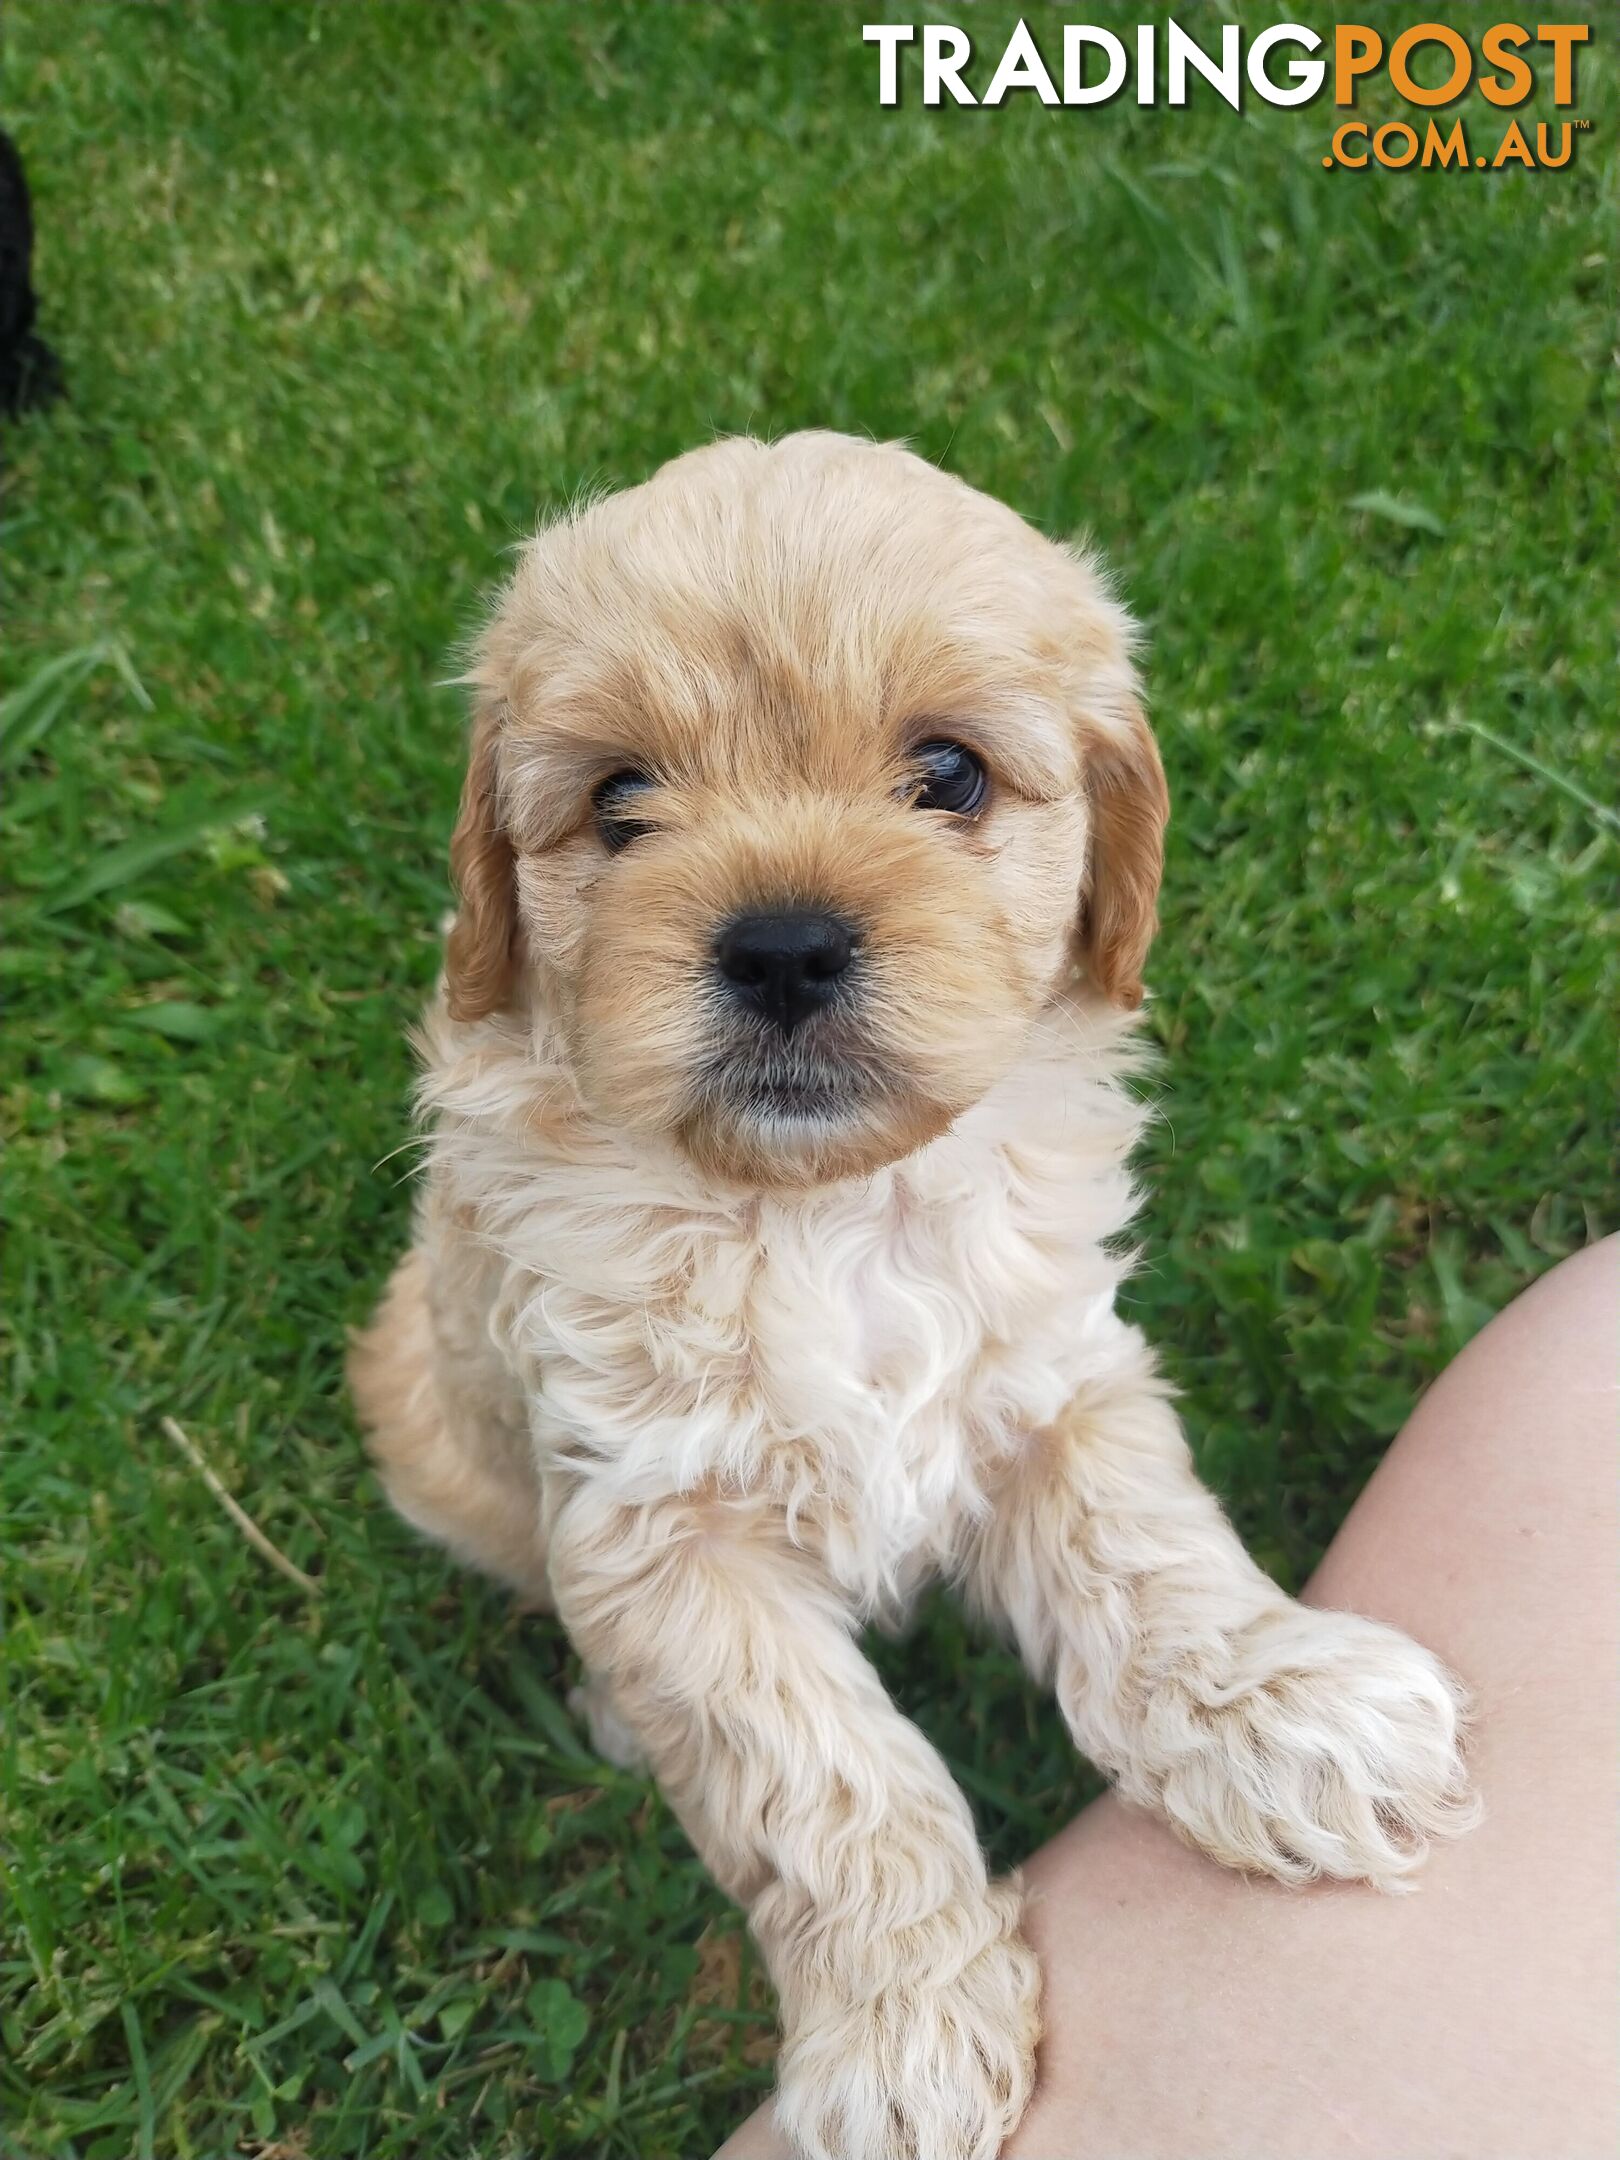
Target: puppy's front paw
{"points": [[611, 1738], [937, 2062], [1311, 1743]]}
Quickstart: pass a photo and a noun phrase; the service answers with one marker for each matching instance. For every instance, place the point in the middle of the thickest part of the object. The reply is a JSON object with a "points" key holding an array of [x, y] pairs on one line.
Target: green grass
{"points": [[347, 297]]}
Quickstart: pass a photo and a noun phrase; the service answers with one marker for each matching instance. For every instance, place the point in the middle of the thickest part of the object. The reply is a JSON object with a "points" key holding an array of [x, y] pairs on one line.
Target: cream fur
{"points": [[727, 1392]]}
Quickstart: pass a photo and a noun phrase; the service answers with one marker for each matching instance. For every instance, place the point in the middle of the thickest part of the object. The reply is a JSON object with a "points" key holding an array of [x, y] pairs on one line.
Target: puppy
{"points": [[30, 373], [765, 1262]]}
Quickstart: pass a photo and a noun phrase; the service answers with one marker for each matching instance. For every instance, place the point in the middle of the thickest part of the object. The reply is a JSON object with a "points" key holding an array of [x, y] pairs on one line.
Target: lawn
{"points": [[347, 297]]}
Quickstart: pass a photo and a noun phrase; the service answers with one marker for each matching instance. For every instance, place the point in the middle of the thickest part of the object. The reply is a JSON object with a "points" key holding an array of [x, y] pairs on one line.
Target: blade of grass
{"points": [[147, 2122], [1606, 816], [122, 865], [28, 713]]}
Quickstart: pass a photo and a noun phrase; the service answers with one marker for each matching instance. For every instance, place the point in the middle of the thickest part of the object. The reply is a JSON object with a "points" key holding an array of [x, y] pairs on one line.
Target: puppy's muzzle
{"points": [[784, 967]]}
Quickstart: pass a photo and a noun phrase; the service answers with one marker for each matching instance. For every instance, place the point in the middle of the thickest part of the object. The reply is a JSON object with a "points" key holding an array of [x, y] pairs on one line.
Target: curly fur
{"points": [[727, 1384]]}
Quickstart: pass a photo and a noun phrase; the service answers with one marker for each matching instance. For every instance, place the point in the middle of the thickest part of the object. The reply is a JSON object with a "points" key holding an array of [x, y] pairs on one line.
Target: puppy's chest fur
{"points": [[864, 1356]]}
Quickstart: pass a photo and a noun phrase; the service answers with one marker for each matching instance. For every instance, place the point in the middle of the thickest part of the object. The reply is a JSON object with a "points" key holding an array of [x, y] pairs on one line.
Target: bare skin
{"points": [[1192, 2014]]}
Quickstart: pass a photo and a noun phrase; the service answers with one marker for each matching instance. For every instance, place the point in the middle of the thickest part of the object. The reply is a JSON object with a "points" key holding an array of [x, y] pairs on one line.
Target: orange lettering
{"points": [[1563, 38], [1513, 149], [1496, 45], [1357, 50], [1430, 33], [1449, 149], [1350, 127], [1544, 154]]}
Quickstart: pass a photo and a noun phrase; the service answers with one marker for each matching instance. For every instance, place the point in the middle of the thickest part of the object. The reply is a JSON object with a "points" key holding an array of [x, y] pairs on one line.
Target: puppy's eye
{"points": [[614, 804], [949, 777]]}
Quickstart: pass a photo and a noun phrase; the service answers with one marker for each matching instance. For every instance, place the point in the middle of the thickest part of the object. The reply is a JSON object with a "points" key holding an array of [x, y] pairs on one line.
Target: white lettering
{"points": [[888, 37], [1307, 74], [1021, 68], [1181, 51], [1076, 90], [946, 51]]}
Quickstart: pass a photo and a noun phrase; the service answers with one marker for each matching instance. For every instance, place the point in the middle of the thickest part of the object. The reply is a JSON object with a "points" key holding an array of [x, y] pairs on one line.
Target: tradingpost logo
{"points": [[1428, 66]]}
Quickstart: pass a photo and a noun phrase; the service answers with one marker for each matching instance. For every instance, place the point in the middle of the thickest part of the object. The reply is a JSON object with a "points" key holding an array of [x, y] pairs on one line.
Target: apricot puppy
{"points": [[765, 1260]]}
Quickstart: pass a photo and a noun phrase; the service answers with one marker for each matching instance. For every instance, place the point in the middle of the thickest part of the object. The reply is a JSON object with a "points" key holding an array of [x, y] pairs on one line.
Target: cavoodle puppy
{"points": [[766, 1257]]}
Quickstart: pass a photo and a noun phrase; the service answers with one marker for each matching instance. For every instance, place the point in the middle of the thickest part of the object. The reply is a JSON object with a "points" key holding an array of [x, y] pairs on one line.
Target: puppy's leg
{"points": [[909, 2003], [612, 1735], [444, 1419], [1277, 1737]]}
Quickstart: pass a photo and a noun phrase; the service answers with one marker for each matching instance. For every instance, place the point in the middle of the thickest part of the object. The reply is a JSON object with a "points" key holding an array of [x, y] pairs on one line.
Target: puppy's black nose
{"points": [[785, 966]]}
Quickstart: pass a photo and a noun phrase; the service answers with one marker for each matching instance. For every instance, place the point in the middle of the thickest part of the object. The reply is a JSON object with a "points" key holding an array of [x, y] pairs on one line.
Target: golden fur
{"points": [[726, 1381]]}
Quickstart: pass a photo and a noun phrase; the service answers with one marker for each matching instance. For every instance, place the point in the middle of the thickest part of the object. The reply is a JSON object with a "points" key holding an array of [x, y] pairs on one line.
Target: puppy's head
{"points": [[802, 779]]}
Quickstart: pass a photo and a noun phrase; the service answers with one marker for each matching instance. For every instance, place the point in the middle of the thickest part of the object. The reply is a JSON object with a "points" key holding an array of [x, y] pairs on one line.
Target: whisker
{"points": [[415, 1140]]}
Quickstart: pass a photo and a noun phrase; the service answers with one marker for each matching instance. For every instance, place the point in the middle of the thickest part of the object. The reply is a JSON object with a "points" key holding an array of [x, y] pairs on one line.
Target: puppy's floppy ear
{"points": [[1130, 807], [481, 951]]}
